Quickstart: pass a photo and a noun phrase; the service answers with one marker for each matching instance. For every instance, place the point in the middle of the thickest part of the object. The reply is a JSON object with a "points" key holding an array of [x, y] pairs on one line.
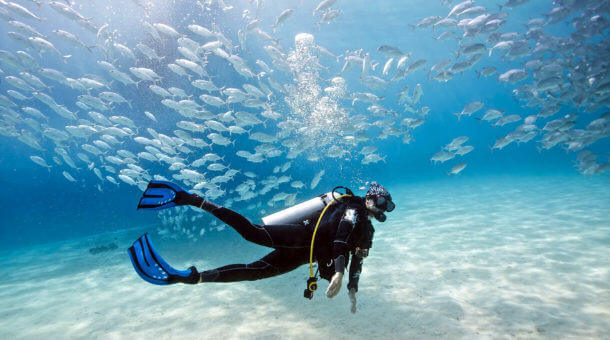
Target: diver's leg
{"points": [[274, 236], [277, 262], [249, 231]]}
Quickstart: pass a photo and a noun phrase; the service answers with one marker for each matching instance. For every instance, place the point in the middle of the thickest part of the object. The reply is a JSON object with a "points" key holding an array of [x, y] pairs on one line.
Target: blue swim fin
{"points": [[159, 195], [152, 268]]}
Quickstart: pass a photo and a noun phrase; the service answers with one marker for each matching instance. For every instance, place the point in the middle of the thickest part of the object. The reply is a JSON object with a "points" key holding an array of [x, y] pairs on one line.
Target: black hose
{"points": [[347, 191]]}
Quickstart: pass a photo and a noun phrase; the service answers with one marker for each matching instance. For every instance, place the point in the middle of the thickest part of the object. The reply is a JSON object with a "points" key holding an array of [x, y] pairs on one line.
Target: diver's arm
{"points": [[341, 250], [355, 269], [340, 246]]}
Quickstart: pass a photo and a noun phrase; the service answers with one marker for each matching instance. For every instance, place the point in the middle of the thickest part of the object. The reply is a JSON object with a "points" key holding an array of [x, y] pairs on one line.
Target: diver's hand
{"points": [[352, 298], [334, 286]]}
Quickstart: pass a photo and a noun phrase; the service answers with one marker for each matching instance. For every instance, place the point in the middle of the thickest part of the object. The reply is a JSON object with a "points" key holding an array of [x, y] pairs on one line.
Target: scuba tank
{"points": [[300, 213]]}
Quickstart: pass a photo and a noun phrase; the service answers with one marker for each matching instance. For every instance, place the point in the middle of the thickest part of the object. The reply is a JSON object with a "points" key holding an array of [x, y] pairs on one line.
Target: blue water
{"points": [[523, 214]]}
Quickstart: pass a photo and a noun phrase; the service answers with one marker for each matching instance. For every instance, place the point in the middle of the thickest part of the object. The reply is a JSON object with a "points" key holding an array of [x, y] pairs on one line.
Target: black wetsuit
{"points": [[344, 227]]}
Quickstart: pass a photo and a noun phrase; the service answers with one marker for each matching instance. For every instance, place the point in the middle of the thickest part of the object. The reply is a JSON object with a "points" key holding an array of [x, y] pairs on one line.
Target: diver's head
{"points": [[378, 200]]}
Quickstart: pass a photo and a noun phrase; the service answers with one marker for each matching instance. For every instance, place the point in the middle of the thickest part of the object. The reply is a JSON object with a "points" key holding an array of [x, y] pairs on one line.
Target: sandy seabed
{"points": [[461, 258]]}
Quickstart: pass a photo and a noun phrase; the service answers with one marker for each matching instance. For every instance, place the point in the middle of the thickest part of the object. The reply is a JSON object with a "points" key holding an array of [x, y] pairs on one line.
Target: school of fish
{"points": [[294, 103]]}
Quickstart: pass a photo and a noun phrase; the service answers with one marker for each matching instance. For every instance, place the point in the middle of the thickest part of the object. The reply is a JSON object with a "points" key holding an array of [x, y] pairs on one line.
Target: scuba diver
{"points": [[325, 229]]}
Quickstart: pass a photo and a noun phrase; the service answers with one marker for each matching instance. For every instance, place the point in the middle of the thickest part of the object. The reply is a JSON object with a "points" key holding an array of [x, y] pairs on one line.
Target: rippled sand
{"points": [[460, 258]]}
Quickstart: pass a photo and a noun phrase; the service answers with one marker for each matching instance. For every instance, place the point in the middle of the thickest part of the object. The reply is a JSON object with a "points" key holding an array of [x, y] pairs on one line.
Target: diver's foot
{"points": [[193, 278]]}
